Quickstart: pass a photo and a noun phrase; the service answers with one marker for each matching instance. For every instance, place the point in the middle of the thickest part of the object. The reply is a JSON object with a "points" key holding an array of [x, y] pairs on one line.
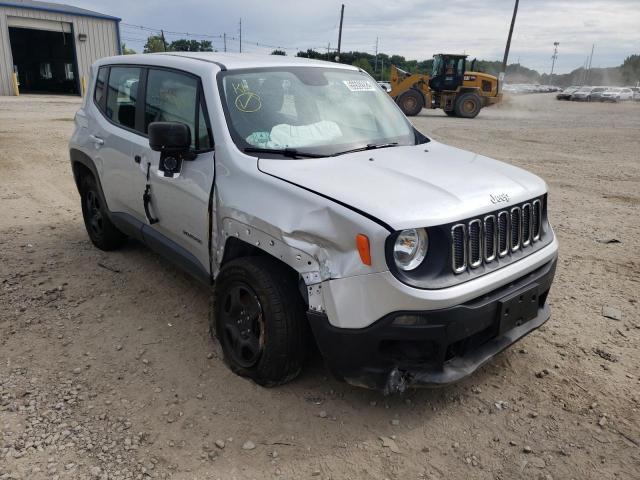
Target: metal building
{"points": [[51, 46]]}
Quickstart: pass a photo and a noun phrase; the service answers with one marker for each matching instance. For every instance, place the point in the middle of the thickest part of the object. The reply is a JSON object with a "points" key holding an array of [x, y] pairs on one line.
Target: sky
{"points": [[414, 29]]}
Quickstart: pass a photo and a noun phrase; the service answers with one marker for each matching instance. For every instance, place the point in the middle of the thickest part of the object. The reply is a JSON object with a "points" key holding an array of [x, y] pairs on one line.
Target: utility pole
{"points": [[224, 37], [375, 69], [240, 35], [553, 61], [382, 69], [328, 50], [506, 50], [164, 42], [340, 33], [590, 60]]}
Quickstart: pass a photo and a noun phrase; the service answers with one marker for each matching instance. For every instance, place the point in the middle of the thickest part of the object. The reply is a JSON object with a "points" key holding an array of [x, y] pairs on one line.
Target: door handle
{"points": [[96, 140], [137, 158]]}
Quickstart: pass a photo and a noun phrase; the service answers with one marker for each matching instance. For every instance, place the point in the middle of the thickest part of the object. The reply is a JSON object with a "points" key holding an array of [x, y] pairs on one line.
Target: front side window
{"points": [[122, 96], [321, 110], [173, 97]]}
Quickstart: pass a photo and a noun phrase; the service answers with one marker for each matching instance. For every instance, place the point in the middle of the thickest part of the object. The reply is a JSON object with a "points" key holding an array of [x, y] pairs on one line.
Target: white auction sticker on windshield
{"points": [[359, 85]]}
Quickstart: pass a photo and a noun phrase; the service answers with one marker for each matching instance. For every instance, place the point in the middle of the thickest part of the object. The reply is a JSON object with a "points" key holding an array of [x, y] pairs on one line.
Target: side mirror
{"points": [[170, 137], [173, 141]]}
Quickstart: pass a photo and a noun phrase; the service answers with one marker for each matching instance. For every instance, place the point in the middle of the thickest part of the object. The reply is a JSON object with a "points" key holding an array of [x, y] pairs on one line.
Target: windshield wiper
{"points": [[369, 146], [287, 152]]}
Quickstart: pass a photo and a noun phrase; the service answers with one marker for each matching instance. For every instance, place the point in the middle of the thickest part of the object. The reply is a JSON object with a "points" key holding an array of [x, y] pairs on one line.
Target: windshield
{"points": [[599, 89], [585, 89], [615, 90], [323, 111]]}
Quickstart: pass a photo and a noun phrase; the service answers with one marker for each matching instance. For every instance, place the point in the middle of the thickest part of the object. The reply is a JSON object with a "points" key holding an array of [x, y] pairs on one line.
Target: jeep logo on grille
{"points": [[499, 198]]}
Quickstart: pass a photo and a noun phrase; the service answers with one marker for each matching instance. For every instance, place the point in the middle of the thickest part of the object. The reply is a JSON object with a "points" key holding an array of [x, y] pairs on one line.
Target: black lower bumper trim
{"points": [[441, 346]]}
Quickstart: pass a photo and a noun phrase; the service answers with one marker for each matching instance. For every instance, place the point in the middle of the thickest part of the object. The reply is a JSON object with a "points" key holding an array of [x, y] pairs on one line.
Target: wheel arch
{"points": [[82, 164], [235, 248]]}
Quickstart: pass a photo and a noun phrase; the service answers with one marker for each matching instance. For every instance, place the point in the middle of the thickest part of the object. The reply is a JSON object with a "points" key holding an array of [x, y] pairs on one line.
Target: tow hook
{"points": [[397, 382]]}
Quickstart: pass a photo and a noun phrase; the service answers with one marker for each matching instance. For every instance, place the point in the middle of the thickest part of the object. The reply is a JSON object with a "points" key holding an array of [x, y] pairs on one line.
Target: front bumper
{"points": [[446, 346]]}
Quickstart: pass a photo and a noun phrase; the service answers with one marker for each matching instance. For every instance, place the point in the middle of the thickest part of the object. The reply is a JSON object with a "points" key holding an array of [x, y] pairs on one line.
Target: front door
{"points": [[179, 203]]}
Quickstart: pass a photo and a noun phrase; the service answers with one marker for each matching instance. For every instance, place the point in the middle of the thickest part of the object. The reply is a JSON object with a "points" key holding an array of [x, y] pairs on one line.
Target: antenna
{"points": [[240, 34]]}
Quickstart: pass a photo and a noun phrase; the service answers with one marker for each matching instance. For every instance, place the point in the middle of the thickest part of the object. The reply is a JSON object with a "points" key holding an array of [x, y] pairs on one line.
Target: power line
{"points": [[243, 41]]}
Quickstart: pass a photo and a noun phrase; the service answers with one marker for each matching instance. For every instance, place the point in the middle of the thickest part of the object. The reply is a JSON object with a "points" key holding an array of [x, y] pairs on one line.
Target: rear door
{"points": [[180, 203], [113, 133]]}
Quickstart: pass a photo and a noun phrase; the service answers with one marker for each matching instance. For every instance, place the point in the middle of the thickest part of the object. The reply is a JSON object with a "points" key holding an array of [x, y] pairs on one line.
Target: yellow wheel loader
{"points": [[458, 92]]}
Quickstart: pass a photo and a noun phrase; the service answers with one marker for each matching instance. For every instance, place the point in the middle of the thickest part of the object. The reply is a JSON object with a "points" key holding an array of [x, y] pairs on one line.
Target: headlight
{"points": [[410, 248]]}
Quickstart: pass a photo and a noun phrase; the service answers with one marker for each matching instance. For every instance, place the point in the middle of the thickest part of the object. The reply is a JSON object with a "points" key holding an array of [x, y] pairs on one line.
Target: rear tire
{"points": [[468, 105], [103, 234], [259, 318], [411, 102]]}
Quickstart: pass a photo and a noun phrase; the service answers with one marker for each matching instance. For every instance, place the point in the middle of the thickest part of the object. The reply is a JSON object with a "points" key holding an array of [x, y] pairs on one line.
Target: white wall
{"points": [[102, 40]]}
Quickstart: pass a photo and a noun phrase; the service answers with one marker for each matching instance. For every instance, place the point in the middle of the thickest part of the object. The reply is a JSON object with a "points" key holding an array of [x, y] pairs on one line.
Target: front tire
{"points": [[411, 102], [468, 105], [102, 232], [258, 316]]}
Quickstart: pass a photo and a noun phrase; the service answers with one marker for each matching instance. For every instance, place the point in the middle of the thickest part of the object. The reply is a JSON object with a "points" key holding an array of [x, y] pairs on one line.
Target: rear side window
{"points": [[99, 95], [122, 96], [174, 97]]}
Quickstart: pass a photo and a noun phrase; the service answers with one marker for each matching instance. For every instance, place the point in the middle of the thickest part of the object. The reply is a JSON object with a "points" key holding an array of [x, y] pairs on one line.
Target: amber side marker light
{"points": [[362, 241]]}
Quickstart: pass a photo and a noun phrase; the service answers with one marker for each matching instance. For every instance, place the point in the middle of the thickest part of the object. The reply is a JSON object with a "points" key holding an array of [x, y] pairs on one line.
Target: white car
{"points": [[583, 94], [615, 94], [299, 192]]}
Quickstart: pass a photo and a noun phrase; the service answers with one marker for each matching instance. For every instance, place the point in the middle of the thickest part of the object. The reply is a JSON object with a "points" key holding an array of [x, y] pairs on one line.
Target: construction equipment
{"points": [[458, 92]]}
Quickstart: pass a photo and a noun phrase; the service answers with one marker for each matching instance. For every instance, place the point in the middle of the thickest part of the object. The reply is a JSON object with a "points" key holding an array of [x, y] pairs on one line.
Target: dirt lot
{"points": [[107, 369]]}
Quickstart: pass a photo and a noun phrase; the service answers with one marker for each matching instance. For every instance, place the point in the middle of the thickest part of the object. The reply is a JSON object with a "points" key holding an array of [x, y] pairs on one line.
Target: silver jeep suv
{"points": [[299, 191]]}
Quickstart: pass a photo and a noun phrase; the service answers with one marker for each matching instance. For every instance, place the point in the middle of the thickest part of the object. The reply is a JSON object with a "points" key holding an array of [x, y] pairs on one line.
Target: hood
{"points": [[412, 186]]}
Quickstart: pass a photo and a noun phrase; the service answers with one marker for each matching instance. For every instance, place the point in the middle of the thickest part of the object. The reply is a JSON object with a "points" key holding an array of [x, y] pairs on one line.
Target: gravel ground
{"points": [[107, 370]]}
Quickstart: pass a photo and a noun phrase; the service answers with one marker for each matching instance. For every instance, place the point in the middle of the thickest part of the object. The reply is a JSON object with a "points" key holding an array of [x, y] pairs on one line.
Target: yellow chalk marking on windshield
{"points": [[248, 102]]}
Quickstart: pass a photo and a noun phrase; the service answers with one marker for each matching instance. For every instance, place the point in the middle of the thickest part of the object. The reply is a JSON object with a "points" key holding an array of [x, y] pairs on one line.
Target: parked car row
{"points": [[521, 88], [599, 94]]}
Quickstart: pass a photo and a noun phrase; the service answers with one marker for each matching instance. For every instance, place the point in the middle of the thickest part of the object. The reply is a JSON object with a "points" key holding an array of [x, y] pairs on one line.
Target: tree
{"points": [[183, 45], [278, 52], [364, 64], [631, 69], [127, 51], [154, 44]]}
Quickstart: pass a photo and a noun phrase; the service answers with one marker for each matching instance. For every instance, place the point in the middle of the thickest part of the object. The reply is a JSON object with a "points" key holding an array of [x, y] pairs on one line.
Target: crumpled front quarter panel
{"points": [[304, 221]]}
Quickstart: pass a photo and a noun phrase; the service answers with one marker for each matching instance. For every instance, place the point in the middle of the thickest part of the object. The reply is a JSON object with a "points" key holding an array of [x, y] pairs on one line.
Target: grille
{"points": [[503, 233], [479, 241], [490, 240], [475, 243], [526, 224], [516, 228], [458, 247], [535, 220]]}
